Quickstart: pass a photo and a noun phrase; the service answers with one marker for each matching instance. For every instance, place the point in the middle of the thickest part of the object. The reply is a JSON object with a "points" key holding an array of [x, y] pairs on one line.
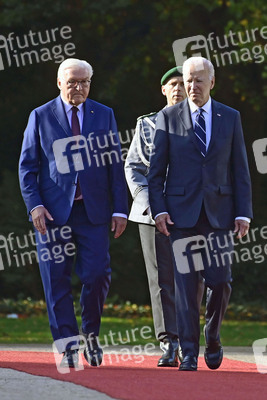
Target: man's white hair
{"points": [[199, 63], [74, 62]]}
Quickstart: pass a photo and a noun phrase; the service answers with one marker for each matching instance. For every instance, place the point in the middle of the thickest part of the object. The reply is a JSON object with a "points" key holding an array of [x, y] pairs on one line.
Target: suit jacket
{"points": [[137, 166], [49, 167], [220, 180]]}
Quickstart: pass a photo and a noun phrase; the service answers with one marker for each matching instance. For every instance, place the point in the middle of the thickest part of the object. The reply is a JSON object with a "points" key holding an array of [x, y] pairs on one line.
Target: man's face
{"points": [[198, 84], [79, 93], [174, 90]]}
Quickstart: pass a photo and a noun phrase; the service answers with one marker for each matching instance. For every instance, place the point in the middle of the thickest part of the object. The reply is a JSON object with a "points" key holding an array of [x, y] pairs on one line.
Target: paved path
{"points": [[15, 385]]}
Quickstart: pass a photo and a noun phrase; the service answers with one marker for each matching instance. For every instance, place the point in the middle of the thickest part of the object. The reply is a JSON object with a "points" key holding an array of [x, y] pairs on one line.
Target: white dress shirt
{"points": [[80, 113], [207, 115]]}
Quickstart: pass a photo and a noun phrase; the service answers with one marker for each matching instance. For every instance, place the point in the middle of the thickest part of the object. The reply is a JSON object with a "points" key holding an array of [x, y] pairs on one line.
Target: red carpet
{"points": [[129, 379]]}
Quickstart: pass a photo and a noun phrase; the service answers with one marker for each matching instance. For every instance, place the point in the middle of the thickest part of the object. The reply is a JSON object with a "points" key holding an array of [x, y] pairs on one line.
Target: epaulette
{"points": [[146, 115]]}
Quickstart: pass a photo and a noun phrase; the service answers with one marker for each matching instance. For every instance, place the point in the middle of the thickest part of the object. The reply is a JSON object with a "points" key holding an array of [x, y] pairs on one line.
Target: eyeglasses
{"points": [[73, 83]]}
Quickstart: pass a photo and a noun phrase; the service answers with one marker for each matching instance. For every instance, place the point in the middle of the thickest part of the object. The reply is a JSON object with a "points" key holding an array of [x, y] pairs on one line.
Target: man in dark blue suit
{"points": [[73, 185], [199, 191]]}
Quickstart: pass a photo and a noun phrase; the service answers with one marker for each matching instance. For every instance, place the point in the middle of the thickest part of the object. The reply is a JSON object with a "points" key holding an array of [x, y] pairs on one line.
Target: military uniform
{"points": [[156, 247]]}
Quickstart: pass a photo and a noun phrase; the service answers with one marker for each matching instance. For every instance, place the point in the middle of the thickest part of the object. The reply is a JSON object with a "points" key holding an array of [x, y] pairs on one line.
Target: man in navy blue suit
{"points": [[73, 184], [199, 191]]}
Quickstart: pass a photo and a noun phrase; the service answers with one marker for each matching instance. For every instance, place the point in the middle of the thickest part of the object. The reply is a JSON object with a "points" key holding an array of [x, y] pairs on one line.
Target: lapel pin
{"points": [[219, 115]]}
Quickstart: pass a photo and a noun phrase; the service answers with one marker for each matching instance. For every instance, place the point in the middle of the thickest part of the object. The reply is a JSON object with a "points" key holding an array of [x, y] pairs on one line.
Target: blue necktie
{"points": [[200, 131]]}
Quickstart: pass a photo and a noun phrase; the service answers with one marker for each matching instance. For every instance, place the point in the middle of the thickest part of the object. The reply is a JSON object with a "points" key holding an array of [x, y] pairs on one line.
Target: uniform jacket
{"points": [[137, 166]]}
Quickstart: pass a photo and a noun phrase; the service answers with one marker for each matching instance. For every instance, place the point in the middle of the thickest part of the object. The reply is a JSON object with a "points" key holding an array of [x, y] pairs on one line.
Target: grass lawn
{"points": [[122, 331]]}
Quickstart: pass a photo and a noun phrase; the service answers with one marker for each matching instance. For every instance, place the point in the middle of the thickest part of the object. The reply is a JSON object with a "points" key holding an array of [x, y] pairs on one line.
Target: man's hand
{"points": [[38, 219], [118, 224], [241, 228], [161, 223]]}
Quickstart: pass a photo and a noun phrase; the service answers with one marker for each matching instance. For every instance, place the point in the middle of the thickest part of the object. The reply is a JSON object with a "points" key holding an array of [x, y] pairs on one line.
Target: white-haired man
{"points": [[199, 189], [72, 193], [156, 247]]}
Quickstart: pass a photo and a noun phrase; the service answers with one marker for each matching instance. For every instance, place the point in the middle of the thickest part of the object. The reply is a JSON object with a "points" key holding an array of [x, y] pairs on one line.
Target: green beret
{"points": [[170, 74]]}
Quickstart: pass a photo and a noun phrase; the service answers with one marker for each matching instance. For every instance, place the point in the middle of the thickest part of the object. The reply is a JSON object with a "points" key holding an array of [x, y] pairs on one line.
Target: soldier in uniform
{"points": [[156, 247]]}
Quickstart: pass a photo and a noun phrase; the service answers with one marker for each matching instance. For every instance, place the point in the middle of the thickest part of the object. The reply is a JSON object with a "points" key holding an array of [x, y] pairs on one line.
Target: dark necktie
{"points": [[75, 127], [200, 131]]}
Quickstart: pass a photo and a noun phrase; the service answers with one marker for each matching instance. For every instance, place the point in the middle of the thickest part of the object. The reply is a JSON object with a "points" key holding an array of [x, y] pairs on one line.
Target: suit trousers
{"points": [[206, 251], [92, 264], [158, 258]]}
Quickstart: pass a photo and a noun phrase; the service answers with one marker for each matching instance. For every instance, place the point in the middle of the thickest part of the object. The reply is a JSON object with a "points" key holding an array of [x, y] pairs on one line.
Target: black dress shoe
{"points": [[170, 355], [92, 352], [189, 364], [213, 353], [70, 359]]}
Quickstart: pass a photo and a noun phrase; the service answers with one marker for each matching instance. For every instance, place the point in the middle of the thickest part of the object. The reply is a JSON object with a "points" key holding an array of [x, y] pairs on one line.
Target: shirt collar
{"points": [[69, 106], [206, 107]]}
